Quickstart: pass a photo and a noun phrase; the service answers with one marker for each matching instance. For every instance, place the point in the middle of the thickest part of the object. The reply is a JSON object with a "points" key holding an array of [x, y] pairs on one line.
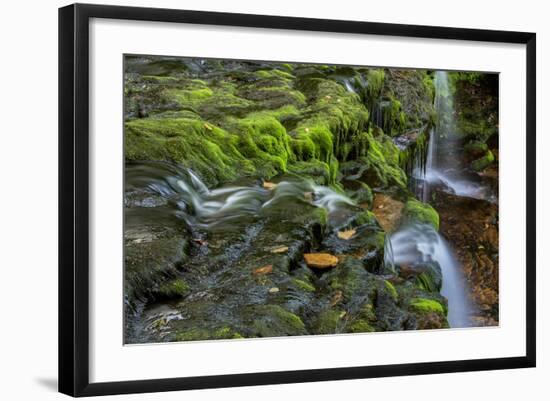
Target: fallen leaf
{"points": [[273, 290], [280, 249], [342, 314], [320, 260], [200, 241], [269, 185], [208, 126], [346, 234], [308, 196], [263, 270]]}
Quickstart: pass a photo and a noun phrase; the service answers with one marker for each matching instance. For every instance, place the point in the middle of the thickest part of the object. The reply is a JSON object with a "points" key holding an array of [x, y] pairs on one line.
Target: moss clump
{"points": [[276, 321], [476, 148], [390, 288], [425, 282], [380, 158], [196, 334], [423, 305], [416, 211], [375, 83], [394, 117], [172, 289], [362, 195], [264, 142], [205, 148], [303, 285], [360, 326], [483, 162], [328, 322], [365, 217]]}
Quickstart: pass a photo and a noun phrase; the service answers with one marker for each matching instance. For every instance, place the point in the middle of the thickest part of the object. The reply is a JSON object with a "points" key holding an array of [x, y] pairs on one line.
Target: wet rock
{"points": [[387, 211], [471, 225]]}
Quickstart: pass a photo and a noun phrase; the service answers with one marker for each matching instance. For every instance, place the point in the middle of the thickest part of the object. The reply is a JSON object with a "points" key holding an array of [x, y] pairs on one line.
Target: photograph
{"points": [[266, 199]]}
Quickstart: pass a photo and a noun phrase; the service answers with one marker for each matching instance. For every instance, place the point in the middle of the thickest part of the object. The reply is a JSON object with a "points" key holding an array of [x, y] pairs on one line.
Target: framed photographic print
{"points": [[249, 199]]}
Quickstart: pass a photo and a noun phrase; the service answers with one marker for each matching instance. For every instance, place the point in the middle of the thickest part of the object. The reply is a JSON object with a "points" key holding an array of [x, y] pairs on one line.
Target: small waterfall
{"points": [[439, 135], [443, 163], [416, 244]]}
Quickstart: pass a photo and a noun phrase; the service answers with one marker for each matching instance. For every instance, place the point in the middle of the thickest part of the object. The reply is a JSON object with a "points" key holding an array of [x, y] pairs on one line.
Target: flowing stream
{"points": [[202, 208]]}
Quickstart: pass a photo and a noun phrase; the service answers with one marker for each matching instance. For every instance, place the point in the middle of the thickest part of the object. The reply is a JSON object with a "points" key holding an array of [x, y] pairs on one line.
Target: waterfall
{"points": [[443, 162], [418, 244], [444, 129]]}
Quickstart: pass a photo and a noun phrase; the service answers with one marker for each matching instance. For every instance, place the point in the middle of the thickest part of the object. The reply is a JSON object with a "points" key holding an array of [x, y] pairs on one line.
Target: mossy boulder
{"points": [[274, 321], [419, 212], [483, 162]]}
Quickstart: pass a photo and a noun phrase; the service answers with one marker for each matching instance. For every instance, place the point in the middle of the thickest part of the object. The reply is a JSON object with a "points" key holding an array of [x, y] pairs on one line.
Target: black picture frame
{"points": [[74, 198]]}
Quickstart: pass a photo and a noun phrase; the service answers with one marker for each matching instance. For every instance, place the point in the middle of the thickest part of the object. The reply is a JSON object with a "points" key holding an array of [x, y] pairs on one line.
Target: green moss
{"points": [[365, 217], [328, 322], [159, 79], [360, 326], [207, 149], [375, 79], [194, 92], [394, 117], [424, 281], [303, 285], [381, 157], [172, 289], [423, 305], [416, 211], [362, 195], [276, 321], [391, 290], [476, 148], [197, 334], [483, 162], [264, 141]]}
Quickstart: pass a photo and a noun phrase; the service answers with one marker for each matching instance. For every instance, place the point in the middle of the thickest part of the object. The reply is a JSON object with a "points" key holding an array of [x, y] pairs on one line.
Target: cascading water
{"points": [[418, 244], [206, 209], [442, 166]]}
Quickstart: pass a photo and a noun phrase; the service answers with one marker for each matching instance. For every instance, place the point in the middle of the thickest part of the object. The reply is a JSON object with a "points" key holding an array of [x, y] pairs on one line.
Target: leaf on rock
{"points": [[346, 234], [269, 185], [263, 270], [320, 260]]}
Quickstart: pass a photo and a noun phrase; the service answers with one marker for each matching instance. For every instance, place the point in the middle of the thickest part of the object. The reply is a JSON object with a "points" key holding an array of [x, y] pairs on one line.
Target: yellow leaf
{"points": [[280, 249], [347, 234]]}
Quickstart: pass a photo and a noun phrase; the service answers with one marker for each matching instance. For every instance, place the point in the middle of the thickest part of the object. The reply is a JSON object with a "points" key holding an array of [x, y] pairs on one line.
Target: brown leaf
{"points": [[269, 185], [263, 270], [200, 241], [320, 260], [346, 234]]}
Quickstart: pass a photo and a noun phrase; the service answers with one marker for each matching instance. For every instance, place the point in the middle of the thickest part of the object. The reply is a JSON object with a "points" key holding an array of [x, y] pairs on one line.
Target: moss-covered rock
{"points": [[483, 162], [273, 321], [416, 211]]}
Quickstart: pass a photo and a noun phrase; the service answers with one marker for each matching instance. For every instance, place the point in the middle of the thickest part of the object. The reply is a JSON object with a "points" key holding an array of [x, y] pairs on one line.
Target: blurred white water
{"points": [[418, 243]]}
